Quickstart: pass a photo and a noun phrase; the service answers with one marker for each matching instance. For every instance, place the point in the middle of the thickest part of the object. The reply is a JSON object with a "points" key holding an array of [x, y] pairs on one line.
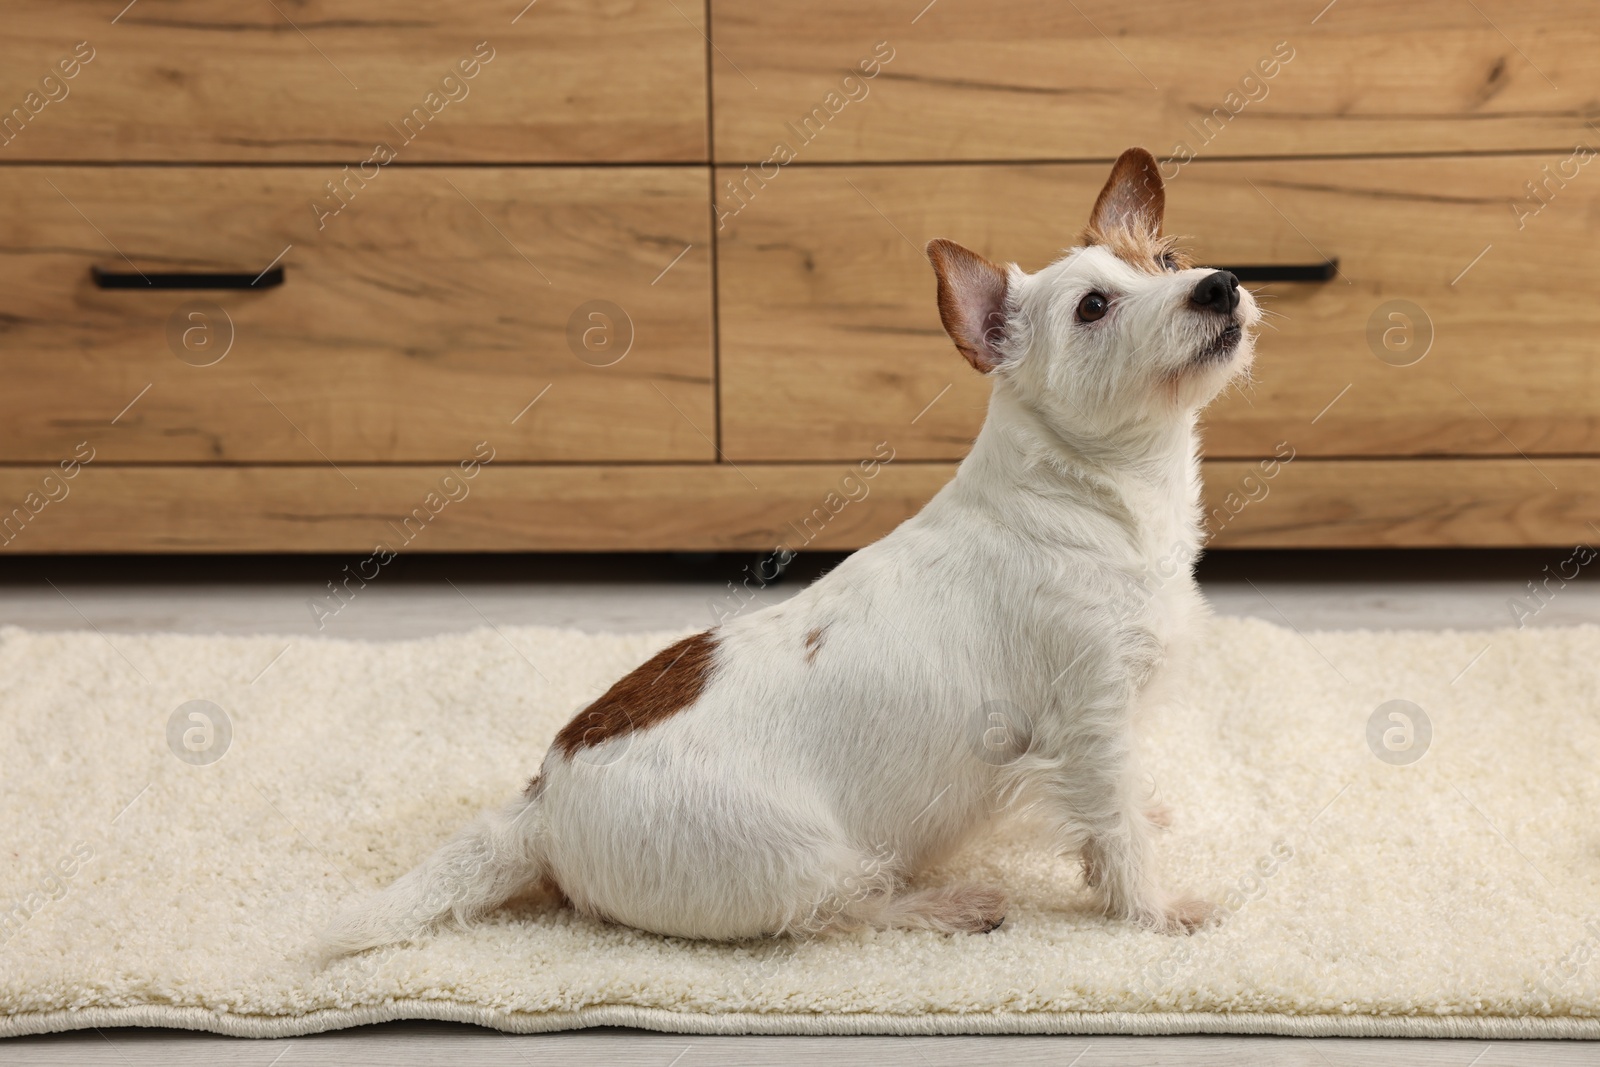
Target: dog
{"points": [[793, 769]]}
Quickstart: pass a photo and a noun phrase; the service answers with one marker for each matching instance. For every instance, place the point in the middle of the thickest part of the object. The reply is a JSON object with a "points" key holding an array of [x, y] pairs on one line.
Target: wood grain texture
{"points": [[301, 80], [517, 508], [1035, 79], [421, 319], [830, 337], [506, 508], [1485, 503]]}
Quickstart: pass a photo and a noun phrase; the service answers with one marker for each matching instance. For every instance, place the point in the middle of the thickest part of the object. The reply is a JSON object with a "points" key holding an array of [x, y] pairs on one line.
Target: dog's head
{"points": [[1121, 330]]}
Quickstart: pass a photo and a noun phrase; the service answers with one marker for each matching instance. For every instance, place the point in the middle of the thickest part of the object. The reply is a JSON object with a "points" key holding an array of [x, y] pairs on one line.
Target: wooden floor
{"points": [[426, 595]]}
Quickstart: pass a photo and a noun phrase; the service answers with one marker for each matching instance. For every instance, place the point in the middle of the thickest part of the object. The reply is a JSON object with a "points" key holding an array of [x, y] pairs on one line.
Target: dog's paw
{"points": [[952, 909], [981, 909], [1185, 915], [1174, 915]]}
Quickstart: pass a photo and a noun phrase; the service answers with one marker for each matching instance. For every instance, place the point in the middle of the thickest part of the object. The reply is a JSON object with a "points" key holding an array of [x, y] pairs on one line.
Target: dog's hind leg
{"points": [[950, 909], [962, 908]]}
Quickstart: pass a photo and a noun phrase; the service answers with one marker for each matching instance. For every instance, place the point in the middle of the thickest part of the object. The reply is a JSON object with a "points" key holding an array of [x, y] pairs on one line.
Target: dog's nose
{"points": [[1217, 291]]}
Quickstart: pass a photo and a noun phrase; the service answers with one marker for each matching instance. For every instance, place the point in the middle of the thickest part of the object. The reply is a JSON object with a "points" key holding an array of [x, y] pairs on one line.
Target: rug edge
{"points": [[661, 1020]]}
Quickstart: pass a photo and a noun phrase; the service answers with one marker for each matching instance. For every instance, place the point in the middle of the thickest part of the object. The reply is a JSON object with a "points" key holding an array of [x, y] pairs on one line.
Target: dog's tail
{"points": [[487, 862]]}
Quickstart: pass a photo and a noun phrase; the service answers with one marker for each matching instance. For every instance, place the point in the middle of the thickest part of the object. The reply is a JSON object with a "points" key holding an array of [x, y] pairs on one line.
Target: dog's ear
{"points": [[1133, 198], [972, 301]]}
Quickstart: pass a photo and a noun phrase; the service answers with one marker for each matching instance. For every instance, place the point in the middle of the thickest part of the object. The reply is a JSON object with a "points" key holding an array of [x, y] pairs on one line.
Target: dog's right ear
{"points": [[972, 301]]}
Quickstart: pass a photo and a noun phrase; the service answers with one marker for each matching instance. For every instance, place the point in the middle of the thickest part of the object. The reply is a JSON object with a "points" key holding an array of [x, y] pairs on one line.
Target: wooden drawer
{"points": [[1038, 79], [561, 81], [830, 338], [424, 317]]}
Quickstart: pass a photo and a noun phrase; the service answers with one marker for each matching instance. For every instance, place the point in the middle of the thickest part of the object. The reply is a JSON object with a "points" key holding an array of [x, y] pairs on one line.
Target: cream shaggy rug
{"points": [[1368, 891]]}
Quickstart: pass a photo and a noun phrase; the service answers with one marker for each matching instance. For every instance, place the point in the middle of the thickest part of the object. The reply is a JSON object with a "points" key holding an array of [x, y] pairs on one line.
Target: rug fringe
{"points": [[1122, 1023]]}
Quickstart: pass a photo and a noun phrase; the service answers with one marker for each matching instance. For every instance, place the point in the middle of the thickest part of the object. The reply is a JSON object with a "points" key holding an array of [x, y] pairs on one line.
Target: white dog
{"points": [[790, 770]]}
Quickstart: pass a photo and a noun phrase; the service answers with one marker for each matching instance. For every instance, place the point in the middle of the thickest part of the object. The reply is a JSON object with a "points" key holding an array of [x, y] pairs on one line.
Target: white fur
{"points": [[1050, 579]]}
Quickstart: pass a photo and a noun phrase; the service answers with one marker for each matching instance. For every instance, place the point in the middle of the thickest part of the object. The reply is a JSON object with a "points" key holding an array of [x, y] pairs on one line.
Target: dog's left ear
{"points": [[972, 301], [1133, 198]]}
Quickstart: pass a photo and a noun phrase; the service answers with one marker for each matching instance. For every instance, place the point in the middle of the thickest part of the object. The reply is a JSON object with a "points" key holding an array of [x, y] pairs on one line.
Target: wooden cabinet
{"points": [[664, 261]]}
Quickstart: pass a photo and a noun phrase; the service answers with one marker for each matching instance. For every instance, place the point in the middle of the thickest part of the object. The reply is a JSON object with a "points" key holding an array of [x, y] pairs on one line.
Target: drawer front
{"points": [[1038, 79], [426, 316], [563, 81], [1461, 321]]}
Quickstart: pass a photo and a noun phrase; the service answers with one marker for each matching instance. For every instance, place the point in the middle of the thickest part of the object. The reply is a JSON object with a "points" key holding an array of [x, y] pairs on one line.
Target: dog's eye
{"points": [[1169, 261], [1093, 307]]}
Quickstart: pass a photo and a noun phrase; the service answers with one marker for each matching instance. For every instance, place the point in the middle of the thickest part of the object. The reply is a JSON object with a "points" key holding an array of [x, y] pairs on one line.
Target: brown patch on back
{"points": [[814, 641], [663, 685]]}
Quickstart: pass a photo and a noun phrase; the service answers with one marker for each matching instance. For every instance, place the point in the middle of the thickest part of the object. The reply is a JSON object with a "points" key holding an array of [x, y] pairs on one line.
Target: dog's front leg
{"points": [[1102, 803], [1119, 862]]}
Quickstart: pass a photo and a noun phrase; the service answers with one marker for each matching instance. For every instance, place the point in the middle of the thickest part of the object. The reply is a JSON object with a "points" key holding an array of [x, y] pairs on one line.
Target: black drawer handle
{"points": [[1325, 271], [106, 279]]}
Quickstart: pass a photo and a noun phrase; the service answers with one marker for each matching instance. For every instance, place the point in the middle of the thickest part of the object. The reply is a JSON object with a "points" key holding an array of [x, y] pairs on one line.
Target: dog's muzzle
{"points": [[1218, 292]]}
